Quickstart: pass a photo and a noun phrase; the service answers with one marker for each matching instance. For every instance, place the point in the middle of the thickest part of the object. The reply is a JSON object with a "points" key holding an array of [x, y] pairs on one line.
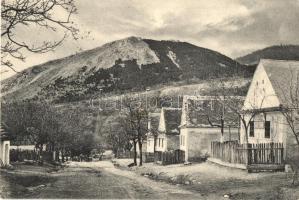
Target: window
{"points": [[162, 142], [267, 129], [251, 129], [159, 141]]}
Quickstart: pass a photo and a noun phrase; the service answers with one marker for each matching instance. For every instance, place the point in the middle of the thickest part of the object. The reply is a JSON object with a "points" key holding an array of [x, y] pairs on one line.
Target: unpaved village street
{"points": [[98, 180], [102, 180]]}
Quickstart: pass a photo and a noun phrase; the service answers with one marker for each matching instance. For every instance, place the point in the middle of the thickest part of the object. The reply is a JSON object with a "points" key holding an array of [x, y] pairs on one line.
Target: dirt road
{"points": [[137, 186], [97, 180]]}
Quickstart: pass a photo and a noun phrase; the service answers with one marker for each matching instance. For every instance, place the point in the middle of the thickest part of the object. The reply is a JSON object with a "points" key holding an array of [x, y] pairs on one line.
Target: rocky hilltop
{"points": [[130, 64]]}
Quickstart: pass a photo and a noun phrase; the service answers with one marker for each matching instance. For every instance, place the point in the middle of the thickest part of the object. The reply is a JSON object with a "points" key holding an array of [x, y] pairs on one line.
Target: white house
{"points": [[168, 137], [4, 147], [274, 86], [153, 125], [200, 126]]}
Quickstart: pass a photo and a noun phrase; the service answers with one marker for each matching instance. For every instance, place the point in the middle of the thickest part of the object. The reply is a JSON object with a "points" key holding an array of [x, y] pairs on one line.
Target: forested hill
{"points": [[130, 64], [279, 52]]}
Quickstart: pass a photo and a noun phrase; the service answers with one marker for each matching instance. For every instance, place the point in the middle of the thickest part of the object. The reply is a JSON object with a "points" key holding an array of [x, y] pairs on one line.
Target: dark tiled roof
{"points": [[172, 118], [284, 78], [203, 113]]}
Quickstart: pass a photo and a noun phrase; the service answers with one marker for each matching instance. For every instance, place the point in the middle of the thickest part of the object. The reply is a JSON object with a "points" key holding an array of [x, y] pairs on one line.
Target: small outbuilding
{"points": [[168, 138]]}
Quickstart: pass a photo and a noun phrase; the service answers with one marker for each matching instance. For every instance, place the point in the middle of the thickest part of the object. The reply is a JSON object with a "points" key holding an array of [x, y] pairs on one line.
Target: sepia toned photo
{"points": [[149, 99]]}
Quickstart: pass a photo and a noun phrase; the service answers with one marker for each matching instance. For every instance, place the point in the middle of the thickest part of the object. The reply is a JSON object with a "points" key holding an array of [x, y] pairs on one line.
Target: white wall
{"points": [[261, 93], [162, 127], [4, 151], [162, 145], [196, 142], [183, 139], [278, 128], [150, 145]]}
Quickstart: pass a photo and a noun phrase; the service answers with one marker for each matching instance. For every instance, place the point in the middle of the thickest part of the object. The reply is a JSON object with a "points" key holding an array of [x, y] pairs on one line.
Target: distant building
{"points": [[153, 125], [168, 137], [200, 126], [274, 85], [4, 146]]}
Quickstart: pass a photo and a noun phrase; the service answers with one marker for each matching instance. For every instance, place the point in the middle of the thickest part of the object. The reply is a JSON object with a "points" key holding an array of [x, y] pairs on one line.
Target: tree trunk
{"points": [[40, 154], [135, 152], [57, 155], [222, 130], [62, 155], [155, 142], [53, 151], [246, 134], [140, 152]]}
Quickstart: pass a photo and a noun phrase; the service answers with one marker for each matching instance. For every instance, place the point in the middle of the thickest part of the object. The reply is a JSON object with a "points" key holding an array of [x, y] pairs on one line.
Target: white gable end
{"points": [[261, 93], [162, 127], [184, 111]]}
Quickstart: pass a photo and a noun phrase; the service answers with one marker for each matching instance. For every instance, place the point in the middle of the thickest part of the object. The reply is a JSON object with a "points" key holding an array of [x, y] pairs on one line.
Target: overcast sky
{"points": [[232, 27]]}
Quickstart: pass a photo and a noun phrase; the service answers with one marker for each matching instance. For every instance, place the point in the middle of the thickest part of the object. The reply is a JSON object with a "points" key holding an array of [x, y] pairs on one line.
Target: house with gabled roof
{"points": [[168, 129], [274, 87], [201, 124]]}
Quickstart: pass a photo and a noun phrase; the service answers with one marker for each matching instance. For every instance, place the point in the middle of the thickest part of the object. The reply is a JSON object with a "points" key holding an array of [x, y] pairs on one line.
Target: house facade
{"points": [[4, 147], [153, 125], [200, 126], [274, 88], [168, 138]]}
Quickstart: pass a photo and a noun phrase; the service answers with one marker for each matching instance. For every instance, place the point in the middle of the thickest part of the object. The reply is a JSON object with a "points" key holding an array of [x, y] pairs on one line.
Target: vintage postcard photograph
{"points": [[149, 99]]}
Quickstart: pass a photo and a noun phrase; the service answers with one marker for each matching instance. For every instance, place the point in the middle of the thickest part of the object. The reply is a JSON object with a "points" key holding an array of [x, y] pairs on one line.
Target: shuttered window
{"points": [[267, 129]]}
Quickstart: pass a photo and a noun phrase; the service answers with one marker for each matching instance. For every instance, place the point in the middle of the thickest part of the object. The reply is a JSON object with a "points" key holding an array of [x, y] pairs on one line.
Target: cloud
{"points": [[232, 27], [274, 22]]}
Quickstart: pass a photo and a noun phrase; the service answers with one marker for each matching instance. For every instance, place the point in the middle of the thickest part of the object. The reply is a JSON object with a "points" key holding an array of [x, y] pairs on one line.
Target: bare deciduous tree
{"points": [[290, 111], [136, 116], [49, 15], [154, 131], [118, 136]]}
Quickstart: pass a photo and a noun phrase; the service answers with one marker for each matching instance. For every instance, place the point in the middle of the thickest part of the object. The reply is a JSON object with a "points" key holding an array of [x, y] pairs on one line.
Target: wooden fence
{"points": [[127, 154], [169, 157], [265, 153], [233, 152], [148, 157]]}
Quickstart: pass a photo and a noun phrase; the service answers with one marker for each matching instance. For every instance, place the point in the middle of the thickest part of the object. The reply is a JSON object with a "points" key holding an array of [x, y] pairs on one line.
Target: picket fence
{"points": [[169, 157], [248, 154]]}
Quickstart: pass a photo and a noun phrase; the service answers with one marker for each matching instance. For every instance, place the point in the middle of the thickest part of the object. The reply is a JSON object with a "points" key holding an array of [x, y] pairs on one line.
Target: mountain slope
{"points": [[131, 64], [281, 52]]}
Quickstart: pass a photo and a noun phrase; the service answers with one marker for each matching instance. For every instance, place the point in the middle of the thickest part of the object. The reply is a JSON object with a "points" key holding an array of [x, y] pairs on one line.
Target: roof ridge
{"points": [[277, 60]]}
